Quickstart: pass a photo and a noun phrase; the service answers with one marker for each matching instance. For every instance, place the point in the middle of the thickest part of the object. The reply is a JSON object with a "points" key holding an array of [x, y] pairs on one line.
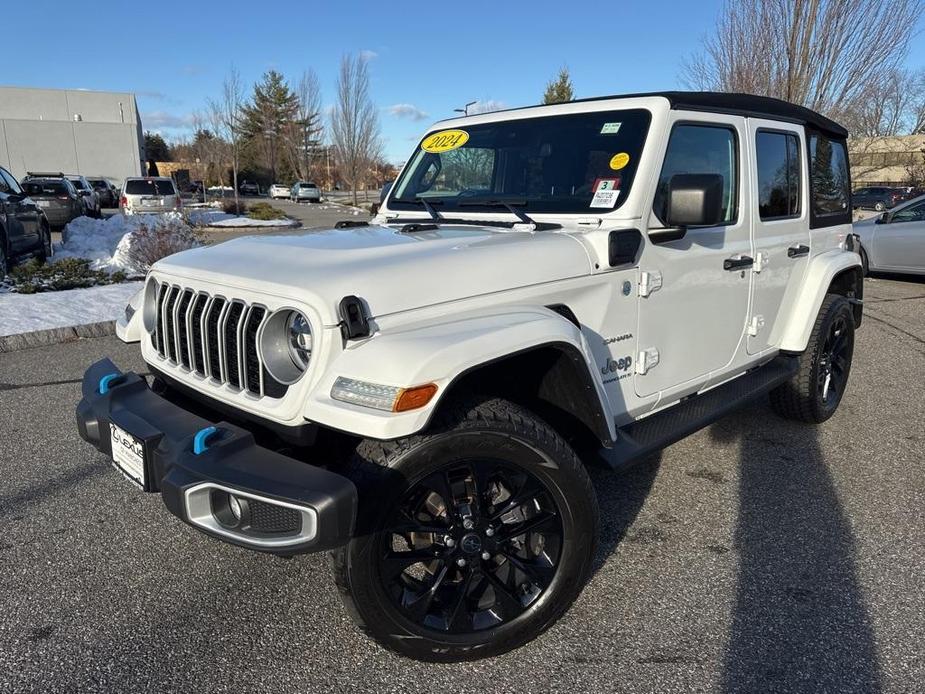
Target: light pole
{"points": [[465, 109]]}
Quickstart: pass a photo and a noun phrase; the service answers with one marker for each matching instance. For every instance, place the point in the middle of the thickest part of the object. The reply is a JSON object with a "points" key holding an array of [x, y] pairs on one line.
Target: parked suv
{"points": [[24, 229], [307, 191], [88, 195], [57, 197], [149, 195], [108, 193], [878, 198], [249, 188], [542, 287]]}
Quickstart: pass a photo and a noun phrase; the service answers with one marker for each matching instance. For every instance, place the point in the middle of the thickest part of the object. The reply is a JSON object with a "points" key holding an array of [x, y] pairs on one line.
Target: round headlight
{"points": [[149, 306], [286, 343], [300, 339]]}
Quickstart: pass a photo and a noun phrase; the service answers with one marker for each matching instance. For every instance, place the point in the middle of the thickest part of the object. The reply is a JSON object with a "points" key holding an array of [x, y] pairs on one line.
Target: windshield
{"points": [[566, 163]]}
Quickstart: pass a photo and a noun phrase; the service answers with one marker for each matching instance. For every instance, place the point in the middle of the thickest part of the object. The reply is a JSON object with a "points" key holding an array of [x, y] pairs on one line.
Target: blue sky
{"points": [[425, 58]]}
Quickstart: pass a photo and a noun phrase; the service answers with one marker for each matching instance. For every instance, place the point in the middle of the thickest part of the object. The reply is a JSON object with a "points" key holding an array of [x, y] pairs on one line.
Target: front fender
{"points": [[440, 353], [823, 269]]}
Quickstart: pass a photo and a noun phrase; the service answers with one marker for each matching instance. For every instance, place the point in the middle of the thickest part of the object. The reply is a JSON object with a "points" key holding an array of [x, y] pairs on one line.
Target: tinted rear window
{"points": [[44, 188], [149, 187], [97, 183]]}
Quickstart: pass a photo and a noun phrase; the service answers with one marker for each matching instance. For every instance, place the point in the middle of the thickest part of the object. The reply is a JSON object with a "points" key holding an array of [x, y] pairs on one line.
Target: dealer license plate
{"points": [[128, 454], [43, 203]]}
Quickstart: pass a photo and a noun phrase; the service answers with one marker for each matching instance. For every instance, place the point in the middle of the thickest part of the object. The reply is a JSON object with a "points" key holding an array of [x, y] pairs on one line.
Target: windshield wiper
{"points": [[436, 216], [509, 206]]}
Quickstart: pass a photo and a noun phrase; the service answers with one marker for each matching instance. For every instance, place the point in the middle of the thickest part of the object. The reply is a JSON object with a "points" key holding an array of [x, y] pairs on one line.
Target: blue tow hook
{"points": [[105, 381], [201, 440]]}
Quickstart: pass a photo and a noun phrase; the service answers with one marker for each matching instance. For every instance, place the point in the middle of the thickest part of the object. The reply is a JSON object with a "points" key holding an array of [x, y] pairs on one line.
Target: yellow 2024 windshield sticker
{"points": [[444, 141]]}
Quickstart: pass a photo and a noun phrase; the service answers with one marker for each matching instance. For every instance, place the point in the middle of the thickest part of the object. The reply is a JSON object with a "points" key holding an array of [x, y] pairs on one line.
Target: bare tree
{"points": [[226, 115], [355, 122], [823, 54], [302, 136]]}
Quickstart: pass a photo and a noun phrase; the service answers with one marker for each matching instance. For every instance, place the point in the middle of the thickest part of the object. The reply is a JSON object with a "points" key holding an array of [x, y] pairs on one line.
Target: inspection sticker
{"points": [[611, 128], [618, 161], [606, 192]]}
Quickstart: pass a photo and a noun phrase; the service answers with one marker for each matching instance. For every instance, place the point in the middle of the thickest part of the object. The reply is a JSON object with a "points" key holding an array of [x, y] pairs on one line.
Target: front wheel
{"points": [[816, 390], [472, 538], [46, 250], [880, 207]]}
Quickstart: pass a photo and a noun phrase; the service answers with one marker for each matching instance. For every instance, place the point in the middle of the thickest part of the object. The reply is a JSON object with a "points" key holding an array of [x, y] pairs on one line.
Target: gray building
{"points": [[74, 131]]}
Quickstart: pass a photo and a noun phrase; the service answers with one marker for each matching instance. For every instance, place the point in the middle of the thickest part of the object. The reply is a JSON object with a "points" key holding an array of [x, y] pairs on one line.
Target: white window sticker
{"points": [[611, 128], [606, 193]]}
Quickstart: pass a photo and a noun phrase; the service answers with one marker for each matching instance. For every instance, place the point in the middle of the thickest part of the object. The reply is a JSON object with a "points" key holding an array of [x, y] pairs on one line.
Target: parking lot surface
{"points": [[758, 556]]}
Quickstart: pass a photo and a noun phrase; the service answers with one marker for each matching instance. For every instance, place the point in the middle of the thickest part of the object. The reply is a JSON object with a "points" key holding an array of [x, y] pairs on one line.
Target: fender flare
{"points": [[822, 270], [443, 353]]}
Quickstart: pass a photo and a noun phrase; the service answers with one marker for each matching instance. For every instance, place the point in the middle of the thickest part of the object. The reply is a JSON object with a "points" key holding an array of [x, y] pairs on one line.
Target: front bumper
{"points": [[289, 507]]}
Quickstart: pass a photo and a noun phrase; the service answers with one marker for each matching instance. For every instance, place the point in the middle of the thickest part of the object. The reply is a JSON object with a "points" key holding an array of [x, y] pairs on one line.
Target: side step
{"points": [[640, 439]]}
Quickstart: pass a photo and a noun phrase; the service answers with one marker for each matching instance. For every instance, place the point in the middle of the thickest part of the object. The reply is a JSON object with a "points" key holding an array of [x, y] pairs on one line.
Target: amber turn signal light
{"points": [[413, 398]]}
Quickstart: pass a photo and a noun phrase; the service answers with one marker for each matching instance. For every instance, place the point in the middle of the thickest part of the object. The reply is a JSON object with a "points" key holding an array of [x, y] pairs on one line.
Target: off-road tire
{"points": [[383, 471], [799, 398]]}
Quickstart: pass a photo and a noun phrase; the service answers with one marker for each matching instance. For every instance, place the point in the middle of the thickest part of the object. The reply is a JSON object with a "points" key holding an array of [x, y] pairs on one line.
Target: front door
{"points": [[780, 226], [692, 315], [900, 245]]}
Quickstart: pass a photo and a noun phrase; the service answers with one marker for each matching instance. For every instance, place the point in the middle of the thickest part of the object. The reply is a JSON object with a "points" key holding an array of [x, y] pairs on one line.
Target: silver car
{"points": [[306, 191], [149, 195], [895, 240]]}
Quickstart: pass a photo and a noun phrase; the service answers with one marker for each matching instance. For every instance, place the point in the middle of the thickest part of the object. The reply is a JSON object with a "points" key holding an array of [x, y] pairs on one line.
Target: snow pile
{"points": [[232, 221], [23, 313], [107, 243]]}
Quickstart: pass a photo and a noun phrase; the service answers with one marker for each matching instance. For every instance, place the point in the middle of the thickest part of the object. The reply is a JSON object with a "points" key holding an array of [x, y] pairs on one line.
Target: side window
{"points": [[701, 149], [778, 159], [10, 183], [915, 213], [4, 186], [829, 179]]}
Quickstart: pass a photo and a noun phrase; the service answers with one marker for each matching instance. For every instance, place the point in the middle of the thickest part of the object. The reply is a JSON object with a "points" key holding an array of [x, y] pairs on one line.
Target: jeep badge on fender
{"points": [[405, 392]]}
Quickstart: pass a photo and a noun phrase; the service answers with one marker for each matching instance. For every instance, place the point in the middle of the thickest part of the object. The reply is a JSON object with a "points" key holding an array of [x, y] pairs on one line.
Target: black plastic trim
{"points": [[233, 459], [623, 246], [350, 224], [354, 320]]}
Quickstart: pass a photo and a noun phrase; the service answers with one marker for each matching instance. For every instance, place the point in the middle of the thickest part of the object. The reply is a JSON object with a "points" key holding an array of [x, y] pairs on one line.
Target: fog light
{"points": [[235, 506]]}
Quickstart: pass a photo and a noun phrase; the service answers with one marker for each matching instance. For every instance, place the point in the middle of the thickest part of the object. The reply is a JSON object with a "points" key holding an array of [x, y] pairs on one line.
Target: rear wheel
{"points": [[880, 207], [472, 538], [816, 390]]}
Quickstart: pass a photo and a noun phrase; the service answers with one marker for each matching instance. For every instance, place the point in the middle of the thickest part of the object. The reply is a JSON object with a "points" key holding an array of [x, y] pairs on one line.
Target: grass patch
{"points": [[70, 273], [265, 211]]}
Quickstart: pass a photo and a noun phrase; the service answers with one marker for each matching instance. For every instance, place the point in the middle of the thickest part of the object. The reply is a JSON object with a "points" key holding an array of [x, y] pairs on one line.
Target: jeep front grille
{"points": [[214, 337]]}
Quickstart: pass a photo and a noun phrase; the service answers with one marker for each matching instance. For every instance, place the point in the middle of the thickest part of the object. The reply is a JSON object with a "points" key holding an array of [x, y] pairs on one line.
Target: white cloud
{"points": [[164, 119], [486, 106], [407, 111], [367, 54]]}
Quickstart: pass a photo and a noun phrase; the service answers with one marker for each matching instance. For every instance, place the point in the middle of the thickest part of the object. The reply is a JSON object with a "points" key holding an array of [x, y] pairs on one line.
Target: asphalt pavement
{"points": [[758, 555]]}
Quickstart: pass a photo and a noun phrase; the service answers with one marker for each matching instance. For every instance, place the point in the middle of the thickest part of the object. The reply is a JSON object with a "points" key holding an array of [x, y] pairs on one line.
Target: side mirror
{"points": [[883, 218], [695, 200], [384, 193]]}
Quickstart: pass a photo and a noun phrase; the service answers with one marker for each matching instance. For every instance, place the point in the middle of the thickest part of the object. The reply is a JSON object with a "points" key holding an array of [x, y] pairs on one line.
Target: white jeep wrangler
{"points": [[541, 287]]}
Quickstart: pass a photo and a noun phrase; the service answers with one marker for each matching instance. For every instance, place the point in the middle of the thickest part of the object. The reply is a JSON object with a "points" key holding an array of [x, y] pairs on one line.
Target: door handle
{"points": [[797, 251], [739, 263]]}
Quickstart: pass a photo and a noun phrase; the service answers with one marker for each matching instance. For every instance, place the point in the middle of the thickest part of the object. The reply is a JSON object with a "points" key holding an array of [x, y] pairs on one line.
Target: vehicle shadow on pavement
{"points": [[800, 622], [620, 497]]}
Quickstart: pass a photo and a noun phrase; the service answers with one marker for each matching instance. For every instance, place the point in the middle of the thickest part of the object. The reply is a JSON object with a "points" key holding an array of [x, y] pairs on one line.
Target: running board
{"points": [[640, 439]]}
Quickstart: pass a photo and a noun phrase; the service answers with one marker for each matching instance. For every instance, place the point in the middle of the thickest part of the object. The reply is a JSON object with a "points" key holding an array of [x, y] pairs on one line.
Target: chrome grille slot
{"points": [[213, 337]]}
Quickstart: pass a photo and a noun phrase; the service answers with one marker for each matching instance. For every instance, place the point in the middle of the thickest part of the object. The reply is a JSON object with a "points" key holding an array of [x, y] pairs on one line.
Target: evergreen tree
{"points": [[265, 120], [559, 90], [156, 149]]}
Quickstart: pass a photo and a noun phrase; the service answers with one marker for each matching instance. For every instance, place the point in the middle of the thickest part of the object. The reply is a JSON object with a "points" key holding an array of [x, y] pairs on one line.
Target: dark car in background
{"points": [[57, 197], [876, 197], [249, 188], [24, 228], [109, 194]]}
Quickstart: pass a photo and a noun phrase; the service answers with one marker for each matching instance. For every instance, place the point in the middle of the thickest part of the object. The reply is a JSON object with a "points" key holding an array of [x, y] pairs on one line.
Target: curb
{"points": [[52, 336]]}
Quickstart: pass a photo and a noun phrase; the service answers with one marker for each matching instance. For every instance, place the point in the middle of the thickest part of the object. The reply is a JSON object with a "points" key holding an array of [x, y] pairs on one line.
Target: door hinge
{"points": [[649, 282], [647, 359], [755, 325], [761, 261]]}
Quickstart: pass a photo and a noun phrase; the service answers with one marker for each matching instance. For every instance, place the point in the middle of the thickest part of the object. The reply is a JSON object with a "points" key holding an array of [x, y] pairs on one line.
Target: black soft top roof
{"points": [[738, 104]]}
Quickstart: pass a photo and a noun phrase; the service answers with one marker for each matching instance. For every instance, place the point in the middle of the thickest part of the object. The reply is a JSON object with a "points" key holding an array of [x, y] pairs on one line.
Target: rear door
{"points": [[780, 226], [900, 245]]}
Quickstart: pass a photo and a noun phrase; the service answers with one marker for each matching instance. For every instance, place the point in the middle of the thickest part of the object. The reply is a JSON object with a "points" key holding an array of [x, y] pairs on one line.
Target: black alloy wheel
{"points": [[471, 546], [834, 362]]}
